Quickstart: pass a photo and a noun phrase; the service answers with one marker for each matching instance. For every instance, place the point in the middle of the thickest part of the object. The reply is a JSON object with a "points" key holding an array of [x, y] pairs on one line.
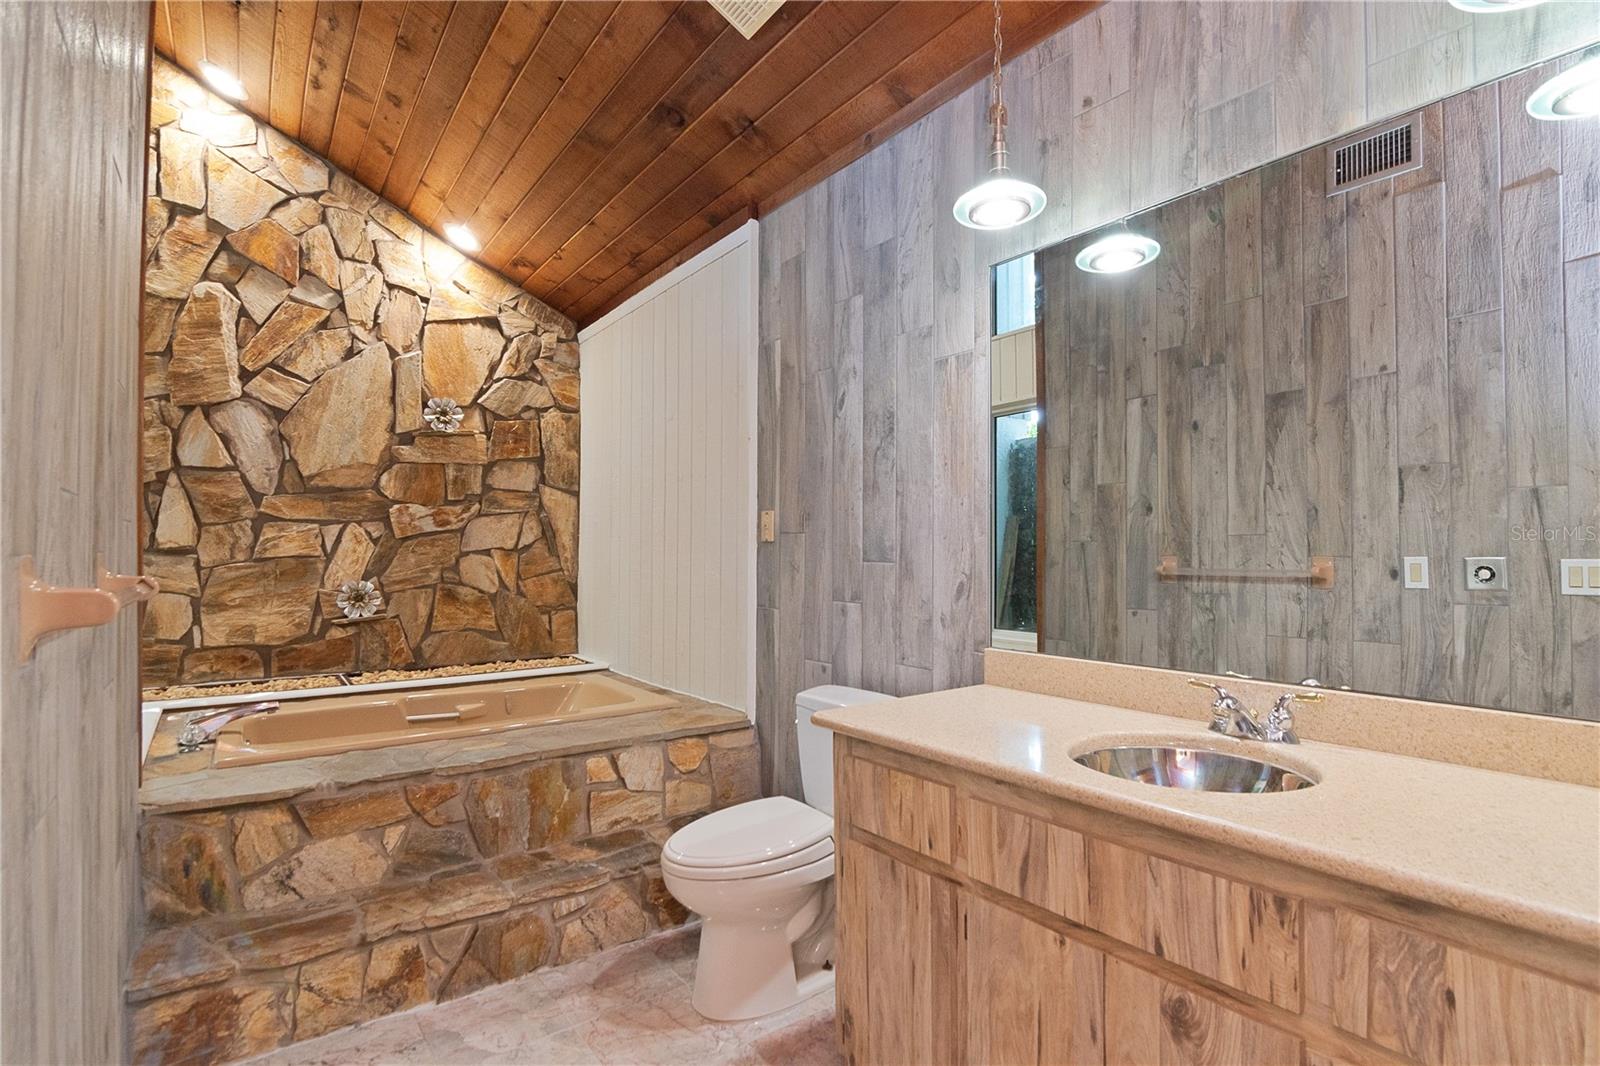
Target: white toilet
{"points": [[760, 875]]}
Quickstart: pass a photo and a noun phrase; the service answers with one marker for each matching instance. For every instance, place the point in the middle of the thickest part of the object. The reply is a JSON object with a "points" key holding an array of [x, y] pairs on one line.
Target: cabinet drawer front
{"points": [[1439, 1004], [1023, 856], [1239, 934], [909, 810]]}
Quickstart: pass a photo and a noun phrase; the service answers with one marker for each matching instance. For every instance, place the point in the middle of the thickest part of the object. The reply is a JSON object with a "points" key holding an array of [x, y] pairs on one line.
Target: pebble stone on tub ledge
{"points": [[274, 920]]}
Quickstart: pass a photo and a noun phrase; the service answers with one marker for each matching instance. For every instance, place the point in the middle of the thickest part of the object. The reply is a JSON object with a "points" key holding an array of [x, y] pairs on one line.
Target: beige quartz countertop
{"points": [[1518, 850]]}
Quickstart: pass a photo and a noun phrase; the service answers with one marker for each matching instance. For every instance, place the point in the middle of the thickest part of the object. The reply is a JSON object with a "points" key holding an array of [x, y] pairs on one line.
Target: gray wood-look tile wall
{"points": [[74, 79], [869, 290], [1399, 370]]}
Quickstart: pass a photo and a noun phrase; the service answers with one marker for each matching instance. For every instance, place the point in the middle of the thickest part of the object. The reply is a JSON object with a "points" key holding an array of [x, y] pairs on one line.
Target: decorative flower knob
{"points": [[442, 414], [359, 599]]}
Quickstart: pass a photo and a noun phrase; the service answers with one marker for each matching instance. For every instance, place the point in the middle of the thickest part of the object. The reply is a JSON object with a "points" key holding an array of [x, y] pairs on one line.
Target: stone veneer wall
{"points": [[274, 922], [294, 326]]}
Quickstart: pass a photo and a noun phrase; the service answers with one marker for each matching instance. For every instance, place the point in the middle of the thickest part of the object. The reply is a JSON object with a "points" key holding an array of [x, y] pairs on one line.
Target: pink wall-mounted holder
{"points": [[44, 609]]}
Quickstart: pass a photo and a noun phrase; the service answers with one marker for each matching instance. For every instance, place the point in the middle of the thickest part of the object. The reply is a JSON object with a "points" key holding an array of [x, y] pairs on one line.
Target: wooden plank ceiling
{"points": [[591, 145]]}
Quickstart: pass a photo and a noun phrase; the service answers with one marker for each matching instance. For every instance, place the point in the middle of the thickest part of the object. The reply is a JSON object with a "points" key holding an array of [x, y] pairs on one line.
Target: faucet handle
{"points": [[1224, 697], [1223, 708], [1280, 720]]}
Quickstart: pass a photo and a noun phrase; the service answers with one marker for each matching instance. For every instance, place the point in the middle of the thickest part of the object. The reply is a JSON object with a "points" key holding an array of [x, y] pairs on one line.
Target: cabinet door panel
{"points": [[1034, 997], [899, 1000], [1150, 1021], [1439, 1004]]}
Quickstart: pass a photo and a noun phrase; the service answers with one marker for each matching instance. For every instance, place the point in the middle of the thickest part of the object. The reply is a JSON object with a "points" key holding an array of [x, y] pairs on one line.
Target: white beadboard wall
{"points": [[666, 533]]}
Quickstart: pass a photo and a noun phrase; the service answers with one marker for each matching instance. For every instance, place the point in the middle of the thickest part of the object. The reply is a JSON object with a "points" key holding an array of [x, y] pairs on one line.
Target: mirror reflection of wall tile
{"points": [[1405, 368]]}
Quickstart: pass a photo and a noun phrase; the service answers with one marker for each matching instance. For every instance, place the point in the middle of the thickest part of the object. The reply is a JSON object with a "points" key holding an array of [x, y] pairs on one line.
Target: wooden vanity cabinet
{"points": [[980, 923]]}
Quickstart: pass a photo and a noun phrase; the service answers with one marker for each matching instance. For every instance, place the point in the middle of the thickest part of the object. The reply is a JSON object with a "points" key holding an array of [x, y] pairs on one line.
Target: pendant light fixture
{"points": [[1002, 201]]}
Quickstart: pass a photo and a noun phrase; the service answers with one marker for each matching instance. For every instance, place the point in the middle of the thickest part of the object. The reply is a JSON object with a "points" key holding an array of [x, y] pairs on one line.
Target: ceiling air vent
{"points": [[1393, 148], [747, 16]]}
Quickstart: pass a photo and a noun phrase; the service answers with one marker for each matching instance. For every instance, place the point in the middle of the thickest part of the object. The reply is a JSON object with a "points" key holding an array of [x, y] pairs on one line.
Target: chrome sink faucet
{"points": [[202, 727], [1232, 718]]}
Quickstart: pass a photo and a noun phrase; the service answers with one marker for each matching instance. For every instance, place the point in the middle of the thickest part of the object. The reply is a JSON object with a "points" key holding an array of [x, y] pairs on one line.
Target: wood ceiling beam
{"points": [[807, 48], [422, 32], [904, 30], [291, 51], [620, 48], [376, 28], [789, 172], [675, 49], [219, 21], [466, 40], [522, 27], [258, 20], [188, 34], [710, 79], [161, 29], [564, 43], [331, 42]]}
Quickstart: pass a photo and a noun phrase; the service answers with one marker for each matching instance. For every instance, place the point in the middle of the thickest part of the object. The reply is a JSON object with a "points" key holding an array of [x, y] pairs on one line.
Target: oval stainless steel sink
{"points": [[1192, 768]]}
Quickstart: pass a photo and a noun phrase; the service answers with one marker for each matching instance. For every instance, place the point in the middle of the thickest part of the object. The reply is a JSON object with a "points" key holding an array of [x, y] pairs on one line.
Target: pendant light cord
{"points": [[997, 104]]}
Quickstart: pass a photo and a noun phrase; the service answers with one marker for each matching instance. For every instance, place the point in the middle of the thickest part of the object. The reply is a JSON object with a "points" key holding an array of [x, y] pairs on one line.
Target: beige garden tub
{"points": [[328, 725]]}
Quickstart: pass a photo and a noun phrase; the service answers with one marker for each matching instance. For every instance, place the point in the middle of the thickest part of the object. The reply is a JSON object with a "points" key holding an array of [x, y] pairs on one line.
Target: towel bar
{"points": [[1320, 575]]}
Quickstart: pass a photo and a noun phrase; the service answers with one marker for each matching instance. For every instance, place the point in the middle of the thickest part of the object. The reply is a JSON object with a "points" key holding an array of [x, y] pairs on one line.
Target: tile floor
{"points": [[629, 1006]]}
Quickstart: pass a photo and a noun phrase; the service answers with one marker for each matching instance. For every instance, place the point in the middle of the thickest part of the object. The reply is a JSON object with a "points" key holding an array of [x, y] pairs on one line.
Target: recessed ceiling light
{"points": [[1478, 7], [1574, 93], [1117, 253], [222, 81], [461, 237]]}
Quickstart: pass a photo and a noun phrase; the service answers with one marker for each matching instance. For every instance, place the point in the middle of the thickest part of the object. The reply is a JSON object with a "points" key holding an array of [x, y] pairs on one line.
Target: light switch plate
{"points": [[1580, 577], [1485, 572], [1414, 571]]}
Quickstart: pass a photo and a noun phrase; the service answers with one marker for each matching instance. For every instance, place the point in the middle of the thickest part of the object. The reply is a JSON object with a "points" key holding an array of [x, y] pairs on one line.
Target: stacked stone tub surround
{"points": [[295, 325], [287, 900]]}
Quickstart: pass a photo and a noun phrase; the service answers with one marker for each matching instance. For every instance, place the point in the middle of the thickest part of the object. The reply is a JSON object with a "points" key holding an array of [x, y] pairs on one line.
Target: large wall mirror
{"points": [[1345, 426]]}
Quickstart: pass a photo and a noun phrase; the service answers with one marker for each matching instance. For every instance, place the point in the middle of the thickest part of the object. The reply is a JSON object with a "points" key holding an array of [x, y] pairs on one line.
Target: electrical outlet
{"points": [[1485, 572], [1580, 577], [1415, 569], [768, 531]]}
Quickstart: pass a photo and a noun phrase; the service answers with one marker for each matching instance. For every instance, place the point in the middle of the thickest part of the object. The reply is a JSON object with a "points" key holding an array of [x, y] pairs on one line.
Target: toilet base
{"points": [[745, 972]]}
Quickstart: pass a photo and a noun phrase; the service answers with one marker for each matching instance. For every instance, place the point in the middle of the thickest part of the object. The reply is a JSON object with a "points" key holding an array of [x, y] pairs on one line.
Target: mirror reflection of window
{"points": [[1014, 439], [1015, 521]]}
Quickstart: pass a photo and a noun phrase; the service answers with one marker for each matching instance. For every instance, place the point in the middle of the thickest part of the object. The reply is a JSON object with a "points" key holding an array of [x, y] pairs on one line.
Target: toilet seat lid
{"points": [[754, 832]]}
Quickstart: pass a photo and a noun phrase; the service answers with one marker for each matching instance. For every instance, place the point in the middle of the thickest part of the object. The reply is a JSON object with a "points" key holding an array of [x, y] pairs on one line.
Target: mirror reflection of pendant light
{"points": [[1002, 201], [1574, 93], [1117, 253], [1481, 7]]}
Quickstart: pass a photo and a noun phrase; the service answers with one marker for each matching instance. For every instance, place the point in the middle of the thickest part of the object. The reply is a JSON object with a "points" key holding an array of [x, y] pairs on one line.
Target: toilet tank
{"points": [[816, 743]]}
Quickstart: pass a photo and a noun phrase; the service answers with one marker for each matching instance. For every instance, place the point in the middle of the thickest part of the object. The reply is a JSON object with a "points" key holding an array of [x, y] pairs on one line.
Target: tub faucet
{"points": [[202, 727]]}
